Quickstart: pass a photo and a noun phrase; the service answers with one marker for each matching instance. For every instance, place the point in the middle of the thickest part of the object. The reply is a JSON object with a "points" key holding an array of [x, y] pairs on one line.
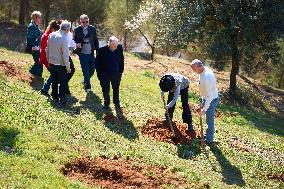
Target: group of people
{"points": [[52, 49]]}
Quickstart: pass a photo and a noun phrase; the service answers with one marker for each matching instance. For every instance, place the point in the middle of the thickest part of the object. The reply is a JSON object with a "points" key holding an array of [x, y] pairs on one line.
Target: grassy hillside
{"points": [[37, 137]]}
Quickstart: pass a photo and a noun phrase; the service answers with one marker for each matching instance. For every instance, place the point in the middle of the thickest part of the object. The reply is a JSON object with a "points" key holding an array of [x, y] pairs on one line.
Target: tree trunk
{"points": [[153, 48], [47, 13], [148, 42], [235, 65], [234, 50], [23, 12]]}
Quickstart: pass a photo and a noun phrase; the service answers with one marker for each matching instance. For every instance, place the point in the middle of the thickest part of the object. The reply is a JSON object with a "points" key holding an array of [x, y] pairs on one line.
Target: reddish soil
{"points": [[120, 174], [160, 130], [279, 176], [110, 118], [11, 69]]}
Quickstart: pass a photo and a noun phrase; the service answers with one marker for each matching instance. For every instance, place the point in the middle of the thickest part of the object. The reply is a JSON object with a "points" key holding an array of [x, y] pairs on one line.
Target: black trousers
{"points": [[105, 80], [59, 77], [70, 75], [186, 113]]}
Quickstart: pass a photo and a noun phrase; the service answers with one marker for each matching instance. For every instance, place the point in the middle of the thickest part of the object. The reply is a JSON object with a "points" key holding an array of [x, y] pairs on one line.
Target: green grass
{"points": [[42, 136]]}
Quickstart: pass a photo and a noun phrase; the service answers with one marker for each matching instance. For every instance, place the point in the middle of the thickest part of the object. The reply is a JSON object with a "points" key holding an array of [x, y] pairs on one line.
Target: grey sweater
{"points": [[181, 82], [57, 51]]}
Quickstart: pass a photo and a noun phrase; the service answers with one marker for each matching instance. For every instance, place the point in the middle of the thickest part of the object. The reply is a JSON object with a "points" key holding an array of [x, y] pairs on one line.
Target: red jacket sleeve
{"points": [[43, 45]]}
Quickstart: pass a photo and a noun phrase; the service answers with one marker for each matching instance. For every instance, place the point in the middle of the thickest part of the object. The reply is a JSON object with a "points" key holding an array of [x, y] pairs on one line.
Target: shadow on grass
{"points": [[8, 139], [93, 103], [260, 120], [189, 151], [36, 83], [117, 124], [231, 174], [68, 107]]}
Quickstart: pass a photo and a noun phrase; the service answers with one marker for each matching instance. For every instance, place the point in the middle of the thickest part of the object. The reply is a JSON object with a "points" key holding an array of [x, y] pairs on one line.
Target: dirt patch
{"points": [[240, 145], [279, 176], [118, 117], [160, 130], [120, 174], [108, 117], [11, 69]]}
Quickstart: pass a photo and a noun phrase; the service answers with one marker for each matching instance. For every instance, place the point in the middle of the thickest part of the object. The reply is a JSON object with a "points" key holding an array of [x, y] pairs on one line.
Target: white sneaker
{"points": [[88, 90]]}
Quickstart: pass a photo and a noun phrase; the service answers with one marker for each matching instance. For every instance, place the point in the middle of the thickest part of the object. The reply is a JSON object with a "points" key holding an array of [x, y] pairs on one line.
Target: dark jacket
{"points": [[33, 37], [101, 58], [79, 37]]}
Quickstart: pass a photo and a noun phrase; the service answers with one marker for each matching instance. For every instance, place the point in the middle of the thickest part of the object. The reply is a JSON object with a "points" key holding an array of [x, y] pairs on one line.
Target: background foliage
{"points": [[244, 36]]}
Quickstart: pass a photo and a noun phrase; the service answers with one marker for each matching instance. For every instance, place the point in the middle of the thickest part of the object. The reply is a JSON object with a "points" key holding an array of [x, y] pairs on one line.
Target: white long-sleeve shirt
{"points": [[71, 42], [181, 82], [207, 87]]}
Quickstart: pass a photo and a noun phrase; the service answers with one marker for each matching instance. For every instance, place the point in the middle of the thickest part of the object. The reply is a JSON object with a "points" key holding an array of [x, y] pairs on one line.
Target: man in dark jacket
{"points": [[110, 66], [87, 42], [33, 43]]}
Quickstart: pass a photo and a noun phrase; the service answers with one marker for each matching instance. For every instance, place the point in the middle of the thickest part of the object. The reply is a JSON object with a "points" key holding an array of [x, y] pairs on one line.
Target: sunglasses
{"points": [[85, 22]]}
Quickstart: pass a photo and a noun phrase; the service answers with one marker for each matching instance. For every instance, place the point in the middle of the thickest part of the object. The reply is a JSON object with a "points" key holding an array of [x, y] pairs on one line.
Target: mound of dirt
{"points": [[10, 69], [120, 174], [161, 131]]}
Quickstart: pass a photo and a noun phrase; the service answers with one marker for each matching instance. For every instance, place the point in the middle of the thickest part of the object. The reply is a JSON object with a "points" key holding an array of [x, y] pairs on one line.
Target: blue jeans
{"points": [[210, 119], [48, 82], [87, 62], [37, 68]]}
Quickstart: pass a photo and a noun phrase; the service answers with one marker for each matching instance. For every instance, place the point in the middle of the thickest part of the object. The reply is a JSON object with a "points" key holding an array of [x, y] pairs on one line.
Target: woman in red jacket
{"points": [[52, 27]]}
